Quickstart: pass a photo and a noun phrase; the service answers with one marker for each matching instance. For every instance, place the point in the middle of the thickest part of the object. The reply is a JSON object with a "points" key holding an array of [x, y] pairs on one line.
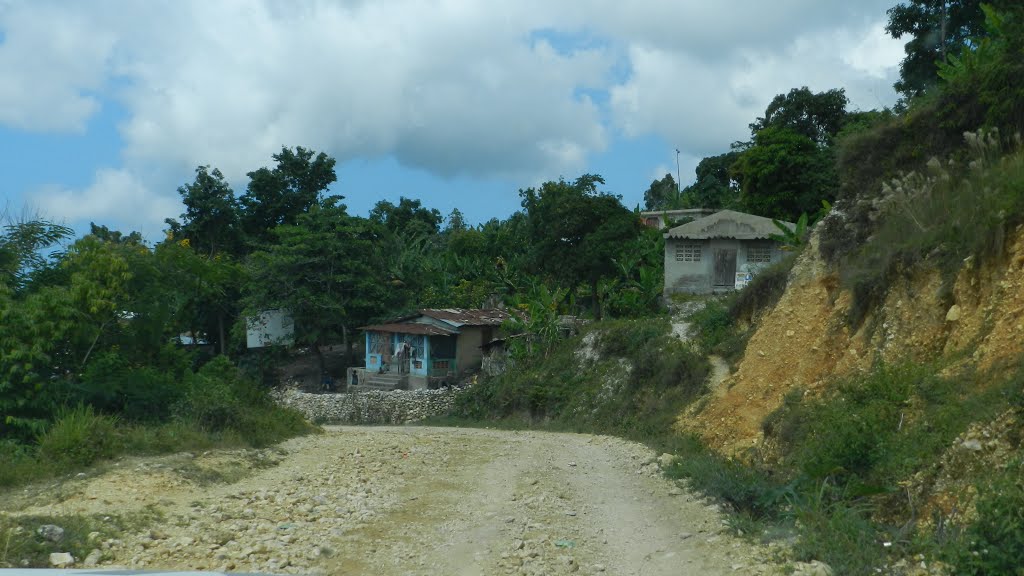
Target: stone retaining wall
{"points": [[373, 407]]}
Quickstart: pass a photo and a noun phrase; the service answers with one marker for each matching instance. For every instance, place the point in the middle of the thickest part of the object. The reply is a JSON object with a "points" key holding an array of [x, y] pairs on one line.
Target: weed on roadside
{"points": [[23, 544]]}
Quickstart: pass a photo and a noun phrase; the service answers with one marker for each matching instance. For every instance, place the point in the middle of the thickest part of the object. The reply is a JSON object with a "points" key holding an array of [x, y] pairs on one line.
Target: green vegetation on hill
{"points": [[625, 377]]}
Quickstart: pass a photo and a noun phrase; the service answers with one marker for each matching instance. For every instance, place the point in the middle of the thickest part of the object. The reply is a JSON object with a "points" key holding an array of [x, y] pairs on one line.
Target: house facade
{"points": [[719, 252], [429, 347]]}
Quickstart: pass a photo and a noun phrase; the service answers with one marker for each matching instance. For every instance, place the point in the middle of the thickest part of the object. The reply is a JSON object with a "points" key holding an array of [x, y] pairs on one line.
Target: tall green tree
{"points": [[714, 187], [212, 220], [576, 231], [785, 174], [662, 194], [278, 196], [324, 270], [817, 116], [409, 218], [934, 30], [21, 249]]}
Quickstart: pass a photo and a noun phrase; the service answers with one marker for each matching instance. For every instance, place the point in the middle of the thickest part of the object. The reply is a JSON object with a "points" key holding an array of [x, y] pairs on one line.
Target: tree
{"points": [[211, 221], [714, 187], [115, 236], [21, 244], [784, 174], [662, 194], [324, 270], [576, 231], [279, 196], [936, 29], [817, 116], [409, 218], [455, 222]]}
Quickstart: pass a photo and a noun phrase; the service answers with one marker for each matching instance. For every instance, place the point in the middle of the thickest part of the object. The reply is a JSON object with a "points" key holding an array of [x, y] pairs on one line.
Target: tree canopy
{"points": [[278, 196], [817, 116], [934, 30], [576, 231]]}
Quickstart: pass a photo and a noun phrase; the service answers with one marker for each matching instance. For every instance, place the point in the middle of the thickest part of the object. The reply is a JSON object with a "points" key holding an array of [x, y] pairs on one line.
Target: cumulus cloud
{"points": [[703, 105], [51, 62], [453, 88], [114, 195], [458, 88]]}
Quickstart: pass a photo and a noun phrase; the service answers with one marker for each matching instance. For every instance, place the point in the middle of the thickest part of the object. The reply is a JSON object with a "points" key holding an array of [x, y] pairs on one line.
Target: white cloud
{"points": [[453, 87], [51, 61], [702, 105], [114, 196]]}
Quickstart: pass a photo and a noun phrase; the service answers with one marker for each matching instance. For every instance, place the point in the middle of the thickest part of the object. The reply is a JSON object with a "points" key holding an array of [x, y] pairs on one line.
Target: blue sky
{"points": [[106, 108]]}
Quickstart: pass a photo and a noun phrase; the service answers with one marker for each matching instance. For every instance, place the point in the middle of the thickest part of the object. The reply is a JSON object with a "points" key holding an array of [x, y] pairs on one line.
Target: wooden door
{"points": [[725, 268]]}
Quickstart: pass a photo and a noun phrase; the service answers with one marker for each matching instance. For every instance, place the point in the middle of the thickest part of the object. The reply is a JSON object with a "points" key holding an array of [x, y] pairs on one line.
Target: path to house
{"points": [[409, 500]]}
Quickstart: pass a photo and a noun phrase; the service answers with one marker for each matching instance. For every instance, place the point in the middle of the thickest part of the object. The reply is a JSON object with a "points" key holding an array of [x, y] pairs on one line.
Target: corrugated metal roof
{"points": [[728, 224], [468, 317], [410, 328]]}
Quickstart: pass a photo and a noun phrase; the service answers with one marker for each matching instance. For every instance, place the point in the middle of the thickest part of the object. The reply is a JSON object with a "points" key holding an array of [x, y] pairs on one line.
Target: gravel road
{"points": [[410, 501]]}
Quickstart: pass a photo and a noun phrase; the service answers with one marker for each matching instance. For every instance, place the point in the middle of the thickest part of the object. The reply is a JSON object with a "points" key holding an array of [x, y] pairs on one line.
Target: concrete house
{"points": [[426, 349], [719, 252]]}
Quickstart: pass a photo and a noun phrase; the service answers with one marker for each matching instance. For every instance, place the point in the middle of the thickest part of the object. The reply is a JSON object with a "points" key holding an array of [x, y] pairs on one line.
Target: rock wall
{"points": [[373, 407]]}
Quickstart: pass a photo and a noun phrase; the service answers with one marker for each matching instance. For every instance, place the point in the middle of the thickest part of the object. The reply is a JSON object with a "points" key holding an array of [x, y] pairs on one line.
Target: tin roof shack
{"points": [[427, 348], [719, 252]]}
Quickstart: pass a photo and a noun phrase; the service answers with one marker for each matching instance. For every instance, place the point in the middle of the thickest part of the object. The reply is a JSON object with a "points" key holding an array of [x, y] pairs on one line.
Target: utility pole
{"points": [[678, 191]]}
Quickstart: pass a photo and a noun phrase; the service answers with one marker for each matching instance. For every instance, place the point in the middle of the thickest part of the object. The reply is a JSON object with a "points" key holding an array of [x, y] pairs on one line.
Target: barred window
{"points": [[688, 252], [759, 253]]}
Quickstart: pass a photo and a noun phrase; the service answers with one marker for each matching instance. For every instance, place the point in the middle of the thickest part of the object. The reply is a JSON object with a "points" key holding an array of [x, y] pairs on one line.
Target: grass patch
{"points": [[837, 531], [747, 490], [994, 542], [22, 545], [847, 452]]}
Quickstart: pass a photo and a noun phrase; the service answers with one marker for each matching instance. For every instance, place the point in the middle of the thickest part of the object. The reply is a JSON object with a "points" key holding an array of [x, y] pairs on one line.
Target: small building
{"points": [[430, 347], [664, 218], [719, 252], [270, 328]]}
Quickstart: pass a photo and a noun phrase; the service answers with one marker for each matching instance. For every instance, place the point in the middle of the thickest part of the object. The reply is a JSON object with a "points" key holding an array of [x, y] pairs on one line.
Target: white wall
{"points": [[270, 328]]}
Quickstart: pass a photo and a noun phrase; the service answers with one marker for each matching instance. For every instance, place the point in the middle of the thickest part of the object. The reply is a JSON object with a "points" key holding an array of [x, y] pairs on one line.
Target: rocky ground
{"points": [[408, 500]]}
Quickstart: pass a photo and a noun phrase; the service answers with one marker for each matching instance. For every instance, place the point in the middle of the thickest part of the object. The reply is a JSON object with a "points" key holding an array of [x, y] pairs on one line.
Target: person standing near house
{"points": [[403, 358]]}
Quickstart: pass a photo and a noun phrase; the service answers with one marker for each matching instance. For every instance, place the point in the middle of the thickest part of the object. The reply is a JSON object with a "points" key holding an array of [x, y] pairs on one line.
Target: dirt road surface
{"points": [[408, 501]]}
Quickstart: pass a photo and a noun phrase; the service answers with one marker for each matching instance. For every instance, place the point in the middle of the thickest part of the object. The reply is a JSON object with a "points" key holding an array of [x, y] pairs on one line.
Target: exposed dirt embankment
{"points": [[806, 340]]}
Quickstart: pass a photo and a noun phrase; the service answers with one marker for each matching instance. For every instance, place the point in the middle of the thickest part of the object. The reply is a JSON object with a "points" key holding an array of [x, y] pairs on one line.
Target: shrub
{"points": [[994, 543], [218, 395], [626, 338], [79, 437], [764, 291], [745, 488], [638, 386], [264, 425], [140, 394], [837, 532], [714, 324]]}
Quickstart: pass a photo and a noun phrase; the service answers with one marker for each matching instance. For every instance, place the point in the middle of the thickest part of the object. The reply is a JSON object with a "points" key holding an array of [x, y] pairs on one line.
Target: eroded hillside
{"points": [[806, 340]]}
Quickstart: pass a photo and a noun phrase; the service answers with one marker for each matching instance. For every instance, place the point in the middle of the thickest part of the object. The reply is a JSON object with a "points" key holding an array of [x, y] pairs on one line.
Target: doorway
{"points": [[725, 268]]}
